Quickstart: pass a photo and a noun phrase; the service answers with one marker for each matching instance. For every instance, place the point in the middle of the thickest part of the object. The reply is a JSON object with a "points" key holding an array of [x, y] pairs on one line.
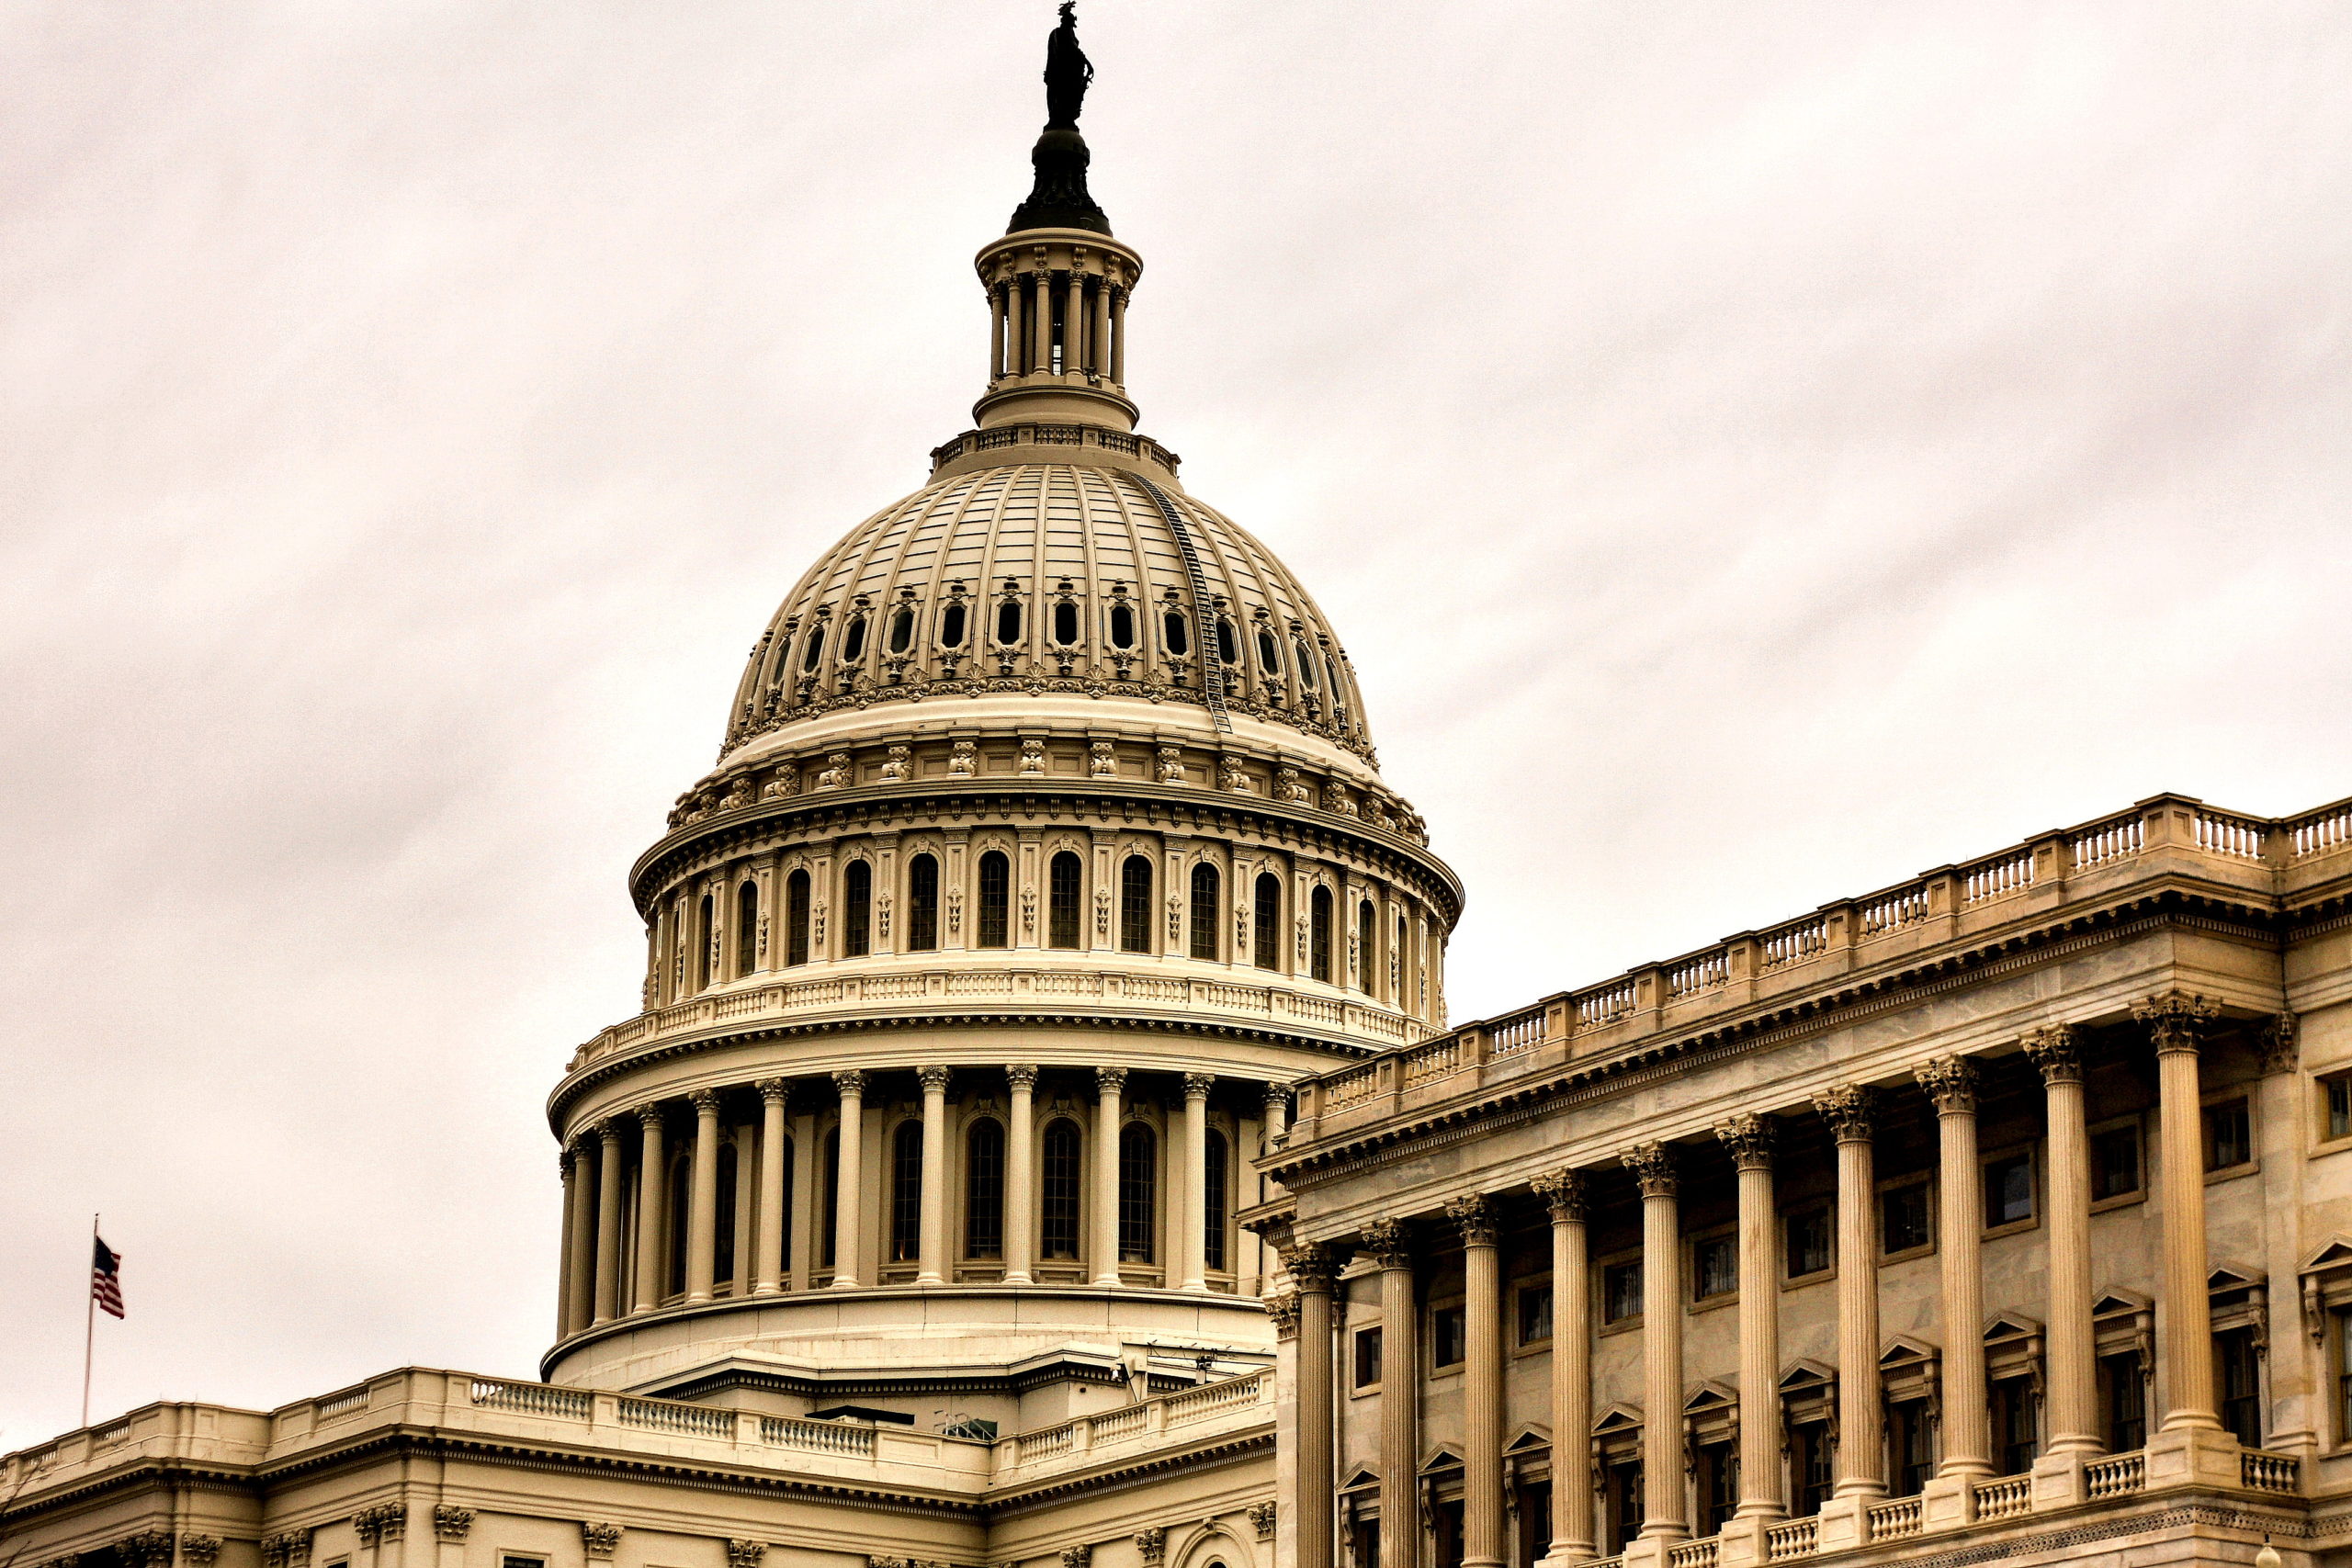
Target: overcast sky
{"points": [[1754, 453]]}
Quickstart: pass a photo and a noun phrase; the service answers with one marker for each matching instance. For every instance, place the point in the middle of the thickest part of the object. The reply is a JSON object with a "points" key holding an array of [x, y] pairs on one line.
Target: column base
{"points": [[1741, 1545], [1845, 1521], [2192, 1456], [2058, 1481], [1647, 1551], [1568, 1554], [1948, 1502]]}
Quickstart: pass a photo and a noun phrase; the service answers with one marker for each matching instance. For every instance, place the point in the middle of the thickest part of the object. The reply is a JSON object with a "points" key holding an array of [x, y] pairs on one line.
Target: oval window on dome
{"points": [[815, 653], [1122, 627], [951, 626], [853, 642], [902, 629], [1269, 652], [1306, 664], [1229, 650], [1008, 621], [1178, 633], [1065, 623]]}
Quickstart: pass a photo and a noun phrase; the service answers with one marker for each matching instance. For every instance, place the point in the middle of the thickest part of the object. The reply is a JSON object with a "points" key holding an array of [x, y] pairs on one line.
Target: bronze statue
{"points": [[1068, 71]]}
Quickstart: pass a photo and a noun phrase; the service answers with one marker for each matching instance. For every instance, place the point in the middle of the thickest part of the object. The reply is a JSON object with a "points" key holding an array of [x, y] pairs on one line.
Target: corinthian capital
{"points": [[774, 1091], [1847, 1107], [1653, 1167], [1563, 1193], [849, 1081], [1310, 1265], [1022, 1074], [1475, 1217], [2057, 1052], [1110, 1080], [1951, 1082], [1389, 1243], [706, 1102], [2175, 1019], [2280, 1050], [1747, 1137], [932, 1078]]}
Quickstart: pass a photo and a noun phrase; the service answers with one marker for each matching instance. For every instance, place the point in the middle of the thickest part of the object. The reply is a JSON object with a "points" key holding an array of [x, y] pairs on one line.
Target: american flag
{"points": [[106, 1277]]}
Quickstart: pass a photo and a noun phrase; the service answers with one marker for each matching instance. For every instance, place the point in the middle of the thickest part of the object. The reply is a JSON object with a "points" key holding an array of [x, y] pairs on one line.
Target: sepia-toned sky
{"points": [[1753, 453]]}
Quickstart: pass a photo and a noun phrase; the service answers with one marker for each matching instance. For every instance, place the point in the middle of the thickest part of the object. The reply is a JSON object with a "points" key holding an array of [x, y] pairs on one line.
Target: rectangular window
{"points": [[1718, 1477], [2339, 1105], [1623, 1482], [508, 1560], [2123, 1396], [2115, 1162], [1912, 1438], [1445, 1532], [1620, 1292], [2009, 1189], [1714, 1267], [2344, 1375], [2015, 1444], [2229, 1135], [1535, 1522], [1903, 1218], [1367, 1357], [1807, 1231], [1367, 1543], [1057, 1192], [1813, 1466], [1445, 1337], [1534, 1314], [2237, 1377]]}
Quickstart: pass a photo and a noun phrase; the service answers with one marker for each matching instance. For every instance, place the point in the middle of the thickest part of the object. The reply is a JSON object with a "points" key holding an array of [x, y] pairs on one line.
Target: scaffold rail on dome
{"points": [[1212, 671]]}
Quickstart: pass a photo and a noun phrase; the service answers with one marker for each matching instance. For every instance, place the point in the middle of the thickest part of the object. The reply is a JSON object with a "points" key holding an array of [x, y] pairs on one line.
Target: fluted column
{"points": [[1277, 1114], [1482, 1384], [1109, 1084], [1747, 1138], [848, 1189], [568, 1243], [1861, 1462], [2071, 1348], [1663, 1509], [1119, 336], [995, 334], [931, 1232], [702, 1222], [1311, 1270], [1197, 1179], [1021, 1176], [1572, 1532], [767, 1270], [2173, 1022], [1390, 1246], [1040, 320], [608, 1219], [1073, 322], [653, 1179], [1098, 342], [1951, 1082]]}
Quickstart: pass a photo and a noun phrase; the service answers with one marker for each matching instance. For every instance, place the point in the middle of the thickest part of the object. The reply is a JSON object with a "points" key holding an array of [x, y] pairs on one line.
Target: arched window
{"points": [[1065, 623], [1266, 922], [1399, 956], [1064, 878], [1134, 905], [829, 1172], [1058, 1190], [951, 625], [903, 629], [1177, 632], [747, 927], [723, 1216], [1122, 627], [814, 653], [995, 899], [1008, 621], [906, 1193], [1367, 939], [1229, 650], [1215, 1204], [1269, 652], [704, 914], [922, 904], [682, 1193], [857, 909], [1339, 687], [853, 642], [1205, 924], [796, 919], [1139, 1191], [783, 1153], [1318, 933], [1306, 664], [984, 1190]]}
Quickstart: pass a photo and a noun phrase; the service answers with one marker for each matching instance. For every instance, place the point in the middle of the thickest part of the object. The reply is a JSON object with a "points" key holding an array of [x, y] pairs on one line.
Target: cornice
{"points": [[182, 1472], [1113, 1476]]}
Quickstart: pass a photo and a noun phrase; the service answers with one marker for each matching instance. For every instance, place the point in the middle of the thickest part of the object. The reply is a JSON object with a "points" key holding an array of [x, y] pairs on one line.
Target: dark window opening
{"points": [[796, 919], [1064, 874], [723, 1216], [1065, 623], [1058, 1191], [984, 1190], [1134, 905], [1008, 621], [857, 909], [951, 626], [906, 1193], [995, 899], [1270, 653], [922, 904], [1367, 939], [2123, 1396], [1367, 1360], [1813, 1465], [1718, 1478], [1229, 651], [1122, 627], [1903, 1218], [1318, 933], [2238, 1376], [829, 1167], [1266, 920], [2016, 1440], [1365, 1543], [1447, 1327], [1178, 633], [2229, 1135], [1305, 665], [1911, 1440], [1205, 924], [704, 914], [747, 927], [1535, 1522], [853, 642], [902, 629], [1620, 1292], [1445, 1534], [1714, 1270], [1215, 1202], [1622, 1492], [1138, 1192], [814, 654], [1534, 1314], [2009, 1189], [2115, 1162], [681, 1214], [1808, 1241], [2339, 1107]]}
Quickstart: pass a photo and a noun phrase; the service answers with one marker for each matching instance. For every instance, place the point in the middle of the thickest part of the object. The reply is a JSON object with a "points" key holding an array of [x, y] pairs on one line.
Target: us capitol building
{"points": [[1043, 1144]]}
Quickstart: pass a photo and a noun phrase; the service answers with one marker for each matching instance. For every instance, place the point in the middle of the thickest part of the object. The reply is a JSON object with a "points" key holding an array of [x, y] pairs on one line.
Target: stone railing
{"points": [[943, 987], [2116, 1476], [1895, 1520], [1244, 1400], [1704, 1554], [998, 437], [2257, 858], [1798, 1538], [2269, 1472], [2004, 1496]]}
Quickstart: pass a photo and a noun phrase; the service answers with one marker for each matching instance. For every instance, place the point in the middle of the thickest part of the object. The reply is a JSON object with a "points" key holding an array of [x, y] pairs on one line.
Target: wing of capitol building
{"points": [[1043, 1144]]}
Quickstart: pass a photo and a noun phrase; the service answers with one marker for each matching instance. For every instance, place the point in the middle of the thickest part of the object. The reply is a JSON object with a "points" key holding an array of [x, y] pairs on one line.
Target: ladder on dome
{"points": [[1203, 626]]}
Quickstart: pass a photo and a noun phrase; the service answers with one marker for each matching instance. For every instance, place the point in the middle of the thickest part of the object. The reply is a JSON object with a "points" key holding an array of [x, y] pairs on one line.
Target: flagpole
{"points": [[89, 1327]]}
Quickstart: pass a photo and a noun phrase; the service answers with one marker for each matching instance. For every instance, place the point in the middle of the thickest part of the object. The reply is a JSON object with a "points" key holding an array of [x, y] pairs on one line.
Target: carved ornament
{"points": [[1847, 1107], [1951, 1082], [1747, 1138], [1653, 1167]]}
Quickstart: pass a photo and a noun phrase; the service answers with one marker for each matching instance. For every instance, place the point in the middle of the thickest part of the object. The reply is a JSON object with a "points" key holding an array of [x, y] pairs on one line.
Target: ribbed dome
{"points": [[1048, 578]]}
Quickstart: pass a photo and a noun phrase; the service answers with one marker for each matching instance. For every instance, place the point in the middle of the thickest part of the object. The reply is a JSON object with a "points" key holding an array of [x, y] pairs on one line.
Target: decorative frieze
{"points": [[199, 1550]]}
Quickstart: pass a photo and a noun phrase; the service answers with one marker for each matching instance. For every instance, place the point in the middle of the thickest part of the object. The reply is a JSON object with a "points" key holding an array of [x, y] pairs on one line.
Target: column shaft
{"points": [[932, 1233], [1664, 1513], [1762, 1494], [703, 1218], [567, 1251], [1098, 342], [1021, 1176], [848, 1189], [995, 334], [1572, 1532], [1310, 1270], [1390, 1247], [1482, 1386], [1192, 1245], [767, 1275], [608, 1222], [1041, 322], [1074, 322], [2073, 1399], [1861, 1461], [2180, 1151], [1119, 337], [1109, 1082], [652, 1183], [1951, 1082]]}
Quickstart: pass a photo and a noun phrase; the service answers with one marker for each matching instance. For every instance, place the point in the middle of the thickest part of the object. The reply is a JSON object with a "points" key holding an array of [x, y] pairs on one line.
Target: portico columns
{"points": [[1311, 1269], [652, 1173], [847, 1190], [931, 1230], [1861, 1464], [1482, 1384], [1020, 1176], [1747, 1138], [1663, 1510], [767, 1269], [1041, 322], [702, 1237], [1109, 1083], [1572, 1534], [1277, 1114], [567, 1251], [1951, 1082], [1390, 1246], [609, 1220], [1192, 1250], [2173, 1023], [2072, 1398]]}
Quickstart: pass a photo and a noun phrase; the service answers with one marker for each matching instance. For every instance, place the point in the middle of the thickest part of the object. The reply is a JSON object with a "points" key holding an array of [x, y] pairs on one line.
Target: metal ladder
{"points": [[1204, 625]]}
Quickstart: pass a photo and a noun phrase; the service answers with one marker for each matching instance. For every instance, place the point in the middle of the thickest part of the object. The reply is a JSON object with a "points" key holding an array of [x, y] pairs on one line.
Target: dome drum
{"points": [[1057, 317]]}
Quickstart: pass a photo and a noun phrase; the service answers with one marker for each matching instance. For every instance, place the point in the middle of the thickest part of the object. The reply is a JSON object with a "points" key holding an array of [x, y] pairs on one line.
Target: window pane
{"points": [[922, 904], [1903, 1217], [2339, 1107], [1445, 1337], [1062, 883], [995, 899], [747, 928], [1808, 1240], [2008, 1190], [795, 918], [1057, 1196], [2228, 1137], [1134, 905], [1266, 920], [1205, 923], [1716, 1268], [1213, 1192], [984, 1190], [2115, 1162], [906, 1193], [1620, 1292], [857, 909], [1138, 1192], [1534, 1314], [1367, 1367], [1318, 936]]}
